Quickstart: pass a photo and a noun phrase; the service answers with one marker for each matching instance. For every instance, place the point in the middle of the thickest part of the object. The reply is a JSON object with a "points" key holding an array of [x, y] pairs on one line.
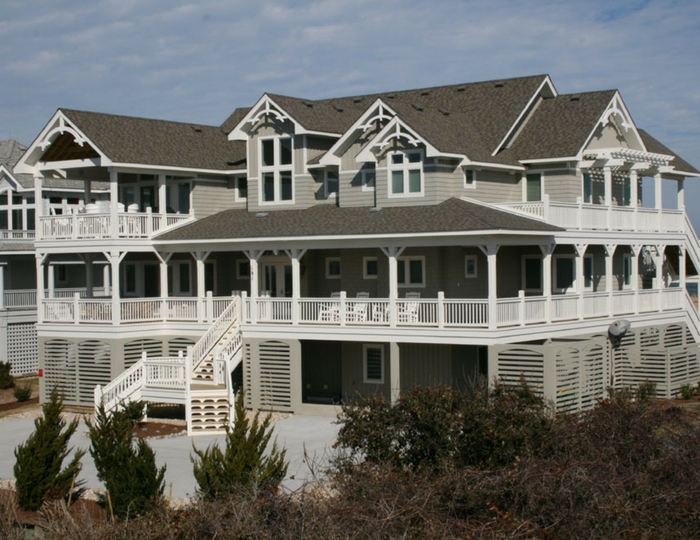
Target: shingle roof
{"points": [[560, 126], [10, 152], [657, 147], [452, 215], [126, 139]]}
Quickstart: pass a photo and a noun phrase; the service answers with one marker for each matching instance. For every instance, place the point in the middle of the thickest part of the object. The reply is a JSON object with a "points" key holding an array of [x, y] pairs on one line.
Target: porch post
{"points": [[295, 256], [636, 250], [38, 206], [253, 256], [393, 253], [88, 192], [609, 250], [106, 281], [394, 371], [634, 190], [200, 257], [491, 250], [2, 286], [52, 280], [114, 204], [40, 259], [580, 250], [547, 250], [659, 261], [658, 196], [114, 259], [681, 194], [163, 267], [681, 267], [607, 177], [87, 259], [162, 200]]}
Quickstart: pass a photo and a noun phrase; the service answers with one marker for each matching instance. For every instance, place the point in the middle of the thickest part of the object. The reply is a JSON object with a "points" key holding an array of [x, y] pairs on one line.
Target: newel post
{"points": [[441, 309]]}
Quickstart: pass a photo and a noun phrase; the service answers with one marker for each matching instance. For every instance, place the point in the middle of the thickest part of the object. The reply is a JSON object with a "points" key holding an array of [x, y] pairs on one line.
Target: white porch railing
{"points": [[131, 311], [16, 235], [99, 226], [601, 217], [26, 298], [455, 313], [206, 343]]}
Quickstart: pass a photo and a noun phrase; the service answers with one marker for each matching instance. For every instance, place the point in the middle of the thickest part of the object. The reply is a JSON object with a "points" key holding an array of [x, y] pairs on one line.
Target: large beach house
{"points": [[310, 250]]}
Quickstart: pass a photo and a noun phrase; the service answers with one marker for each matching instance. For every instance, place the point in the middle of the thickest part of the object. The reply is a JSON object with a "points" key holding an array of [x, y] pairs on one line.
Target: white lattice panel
{"points": [[22, 348]]}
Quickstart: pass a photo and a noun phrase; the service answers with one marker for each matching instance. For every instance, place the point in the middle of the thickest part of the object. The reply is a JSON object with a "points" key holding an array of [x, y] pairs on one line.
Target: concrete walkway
{"points": [[306, 438]]}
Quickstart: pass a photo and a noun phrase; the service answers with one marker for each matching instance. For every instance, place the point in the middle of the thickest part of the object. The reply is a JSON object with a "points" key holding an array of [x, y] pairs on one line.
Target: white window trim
{"points": [[574, 285], [405, 167], [329, 260], [466, 266], [239, 198], [239, 264], [275, 169], [407, 273], [365, 348], [365, 173], [471, 185], [523, 267], [588, 258], [365, 275], [331, 194]]}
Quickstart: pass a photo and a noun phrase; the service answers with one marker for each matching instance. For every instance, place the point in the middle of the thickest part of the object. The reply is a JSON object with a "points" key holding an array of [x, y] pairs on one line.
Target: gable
{"points": [[615, 129]]}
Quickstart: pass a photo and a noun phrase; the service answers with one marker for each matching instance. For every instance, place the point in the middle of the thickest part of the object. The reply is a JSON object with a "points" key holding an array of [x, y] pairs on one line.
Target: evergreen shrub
{"points": [[6, 380], [23, 392]]}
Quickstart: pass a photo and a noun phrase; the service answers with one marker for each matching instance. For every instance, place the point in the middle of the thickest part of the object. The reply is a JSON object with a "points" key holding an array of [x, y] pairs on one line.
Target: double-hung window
{"points": [[469, 178], [373, 363], [411, 271], [276, 170], [532, 273], [406, 173], [369, 178], [331, 184], [533, 187], [587, 188], [564, 273]]}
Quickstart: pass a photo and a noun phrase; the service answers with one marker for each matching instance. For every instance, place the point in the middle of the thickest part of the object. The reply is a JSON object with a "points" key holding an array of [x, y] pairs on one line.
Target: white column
{"points": [[200, 257], [580, 250], [394, 371], [491, 251], [253, 256], [114, 259], [162, 201], [609, 250], [634, 278], [295, 256], [2, 286], [659, 261], [658, 197], [547, 250], [52, 281], [38, 206], [681, 267], [634, 189], [39, 286], [114, 205], [106, 281], [88, 192], [88, 275], [681, 194], [607, 176], [393, 253]]}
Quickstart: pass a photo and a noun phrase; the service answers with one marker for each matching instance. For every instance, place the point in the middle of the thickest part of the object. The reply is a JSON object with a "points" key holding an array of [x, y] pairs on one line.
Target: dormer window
{"points": [[276, 170], [406, 173], [331, 184]]}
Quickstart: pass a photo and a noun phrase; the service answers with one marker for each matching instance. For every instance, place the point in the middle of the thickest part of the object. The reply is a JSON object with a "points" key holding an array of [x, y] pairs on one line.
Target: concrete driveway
{"points": [[306, 438]]}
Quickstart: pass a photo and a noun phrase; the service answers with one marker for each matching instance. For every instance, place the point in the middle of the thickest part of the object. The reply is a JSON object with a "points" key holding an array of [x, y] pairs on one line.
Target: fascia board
{"points": [[550, 160], [136, 167], [546, 82], [10, 179]]}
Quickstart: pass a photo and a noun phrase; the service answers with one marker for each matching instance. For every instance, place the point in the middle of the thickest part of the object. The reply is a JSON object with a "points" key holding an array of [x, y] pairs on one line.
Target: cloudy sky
{"points": [[197, 61]]}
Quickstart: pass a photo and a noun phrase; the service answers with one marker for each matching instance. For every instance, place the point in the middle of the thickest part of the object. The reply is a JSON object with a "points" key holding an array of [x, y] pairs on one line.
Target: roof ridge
{"points": [[129, 117]]}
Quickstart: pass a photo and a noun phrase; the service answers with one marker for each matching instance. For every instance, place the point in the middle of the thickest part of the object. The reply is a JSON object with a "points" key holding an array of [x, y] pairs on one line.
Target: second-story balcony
{"points": [[600, 217], [98, 226]]}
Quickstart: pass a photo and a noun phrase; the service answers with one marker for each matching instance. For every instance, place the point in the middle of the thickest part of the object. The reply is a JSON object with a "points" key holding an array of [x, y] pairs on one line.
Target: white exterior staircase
{"points": [[201, 380]]}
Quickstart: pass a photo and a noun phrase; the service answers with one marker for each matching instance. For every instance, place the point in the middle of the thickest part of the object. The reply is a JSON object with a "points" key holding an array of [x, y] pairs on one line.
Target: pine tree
{"points": [[128, 470], [39, 459], [243, 463]]}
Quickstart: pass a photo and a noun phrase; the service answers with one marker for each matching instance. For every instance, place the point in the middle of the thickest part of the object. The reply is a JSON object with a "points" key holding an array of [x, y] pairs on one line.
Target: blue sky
{"points": [[197, 61]]}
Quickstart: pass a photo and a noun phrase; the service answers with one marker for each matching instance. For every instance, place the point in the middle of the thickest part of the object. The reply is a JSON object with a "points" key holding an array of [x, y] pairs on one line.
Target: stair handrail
{"points": [[224, 352], [694, 243], [123, 386], [692, 312], [210, 338]]}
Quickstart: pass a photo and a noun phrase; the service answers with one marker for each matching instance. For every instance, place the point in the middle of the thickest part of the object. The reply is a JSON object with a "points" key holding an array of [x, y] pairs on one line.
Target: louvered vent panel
{"points": [[61, 370], [179, 344], [247, 375], [133, 350], [94, 365], [569, 372], [673, 336], [275, 376], [514, 363]]}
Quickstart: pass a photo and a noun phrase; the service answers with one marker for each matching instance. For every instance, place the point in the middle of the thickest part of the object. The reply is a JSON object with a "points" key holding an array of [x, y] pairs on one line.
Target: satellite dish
{"points": [[619, 328]]}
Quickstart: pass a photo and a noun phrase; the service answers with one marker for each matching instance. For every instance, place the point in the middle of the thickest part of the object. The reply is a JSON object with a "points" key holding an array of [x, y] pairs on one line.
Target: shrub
{"points": [[435, 427], [23, 393], [6, 380], [39, 459], [687, 391], [128, 469], [243, 465]]}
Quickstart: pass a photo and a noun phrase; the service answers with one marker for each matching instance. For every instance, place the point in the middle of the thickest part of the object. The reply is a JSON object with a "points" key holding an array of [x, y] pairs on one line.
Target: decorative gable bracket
{"points": [[267, 109], [399, 132], [617, 108], [60, 129]]}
